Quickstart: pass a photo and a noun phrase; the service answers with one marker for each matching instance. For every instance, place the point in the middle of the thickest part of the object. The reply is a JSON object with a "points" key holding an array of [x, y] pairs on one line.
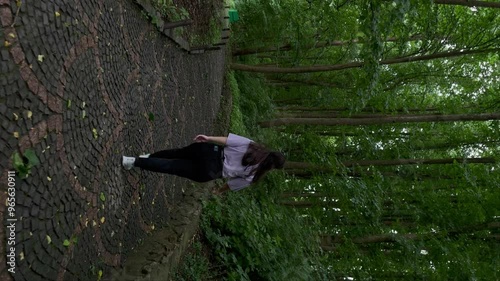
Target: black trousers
{"points": [[200, 162]]}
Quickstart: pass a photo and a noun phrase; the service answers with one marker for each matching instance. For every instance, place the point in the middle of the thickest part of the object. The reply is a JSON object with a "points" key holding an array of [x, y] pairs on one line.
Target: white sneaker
{"points": [[145, 155], [128, 162]]}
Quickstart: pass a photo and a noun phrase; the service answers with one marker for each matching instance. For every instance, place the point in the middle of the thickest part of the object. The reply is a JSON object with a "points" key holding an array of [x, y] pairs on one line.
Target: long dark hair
{"points": [[266, 160]]}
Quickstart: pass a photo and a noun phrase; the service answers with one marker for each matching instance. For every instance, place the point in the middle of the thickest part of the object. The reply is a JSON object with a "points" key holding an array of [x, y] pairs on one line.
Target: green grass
{"points": [[237, 125], [169, 10], [212, 36], [195, 265], [251, 103], [206, 33], [254, 102]]}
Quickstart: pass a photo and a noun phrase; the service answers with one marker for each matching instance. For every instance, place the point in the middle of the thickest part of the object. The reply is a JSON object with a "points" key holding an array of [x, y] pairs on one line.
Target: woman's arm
{"points": [[216, 140]]}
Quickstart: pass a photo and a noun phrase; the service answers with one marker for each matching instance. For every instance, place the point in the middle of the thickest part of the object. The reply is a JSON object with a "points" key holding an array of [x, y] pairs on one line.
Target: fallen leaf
{"points": [[102, 197], [21, 256], [68, 104], [94, 133], [16, 117], [32, 158], [12, 35], [6, 43], [29, 114], [40, 58], [49, 178], [49, 240], [57, 14], [16, 135], [103, 219], [66, 243], [83, 114]]}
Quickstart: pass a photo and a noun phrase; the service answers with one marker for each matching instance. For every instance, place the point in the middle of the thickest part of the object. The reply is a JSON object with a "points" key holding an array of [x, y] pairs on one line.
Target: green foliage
{"points": [[257, 240], [211, 36], [254, 101], [237, 125], [168, 9], [393, 222], [251, 103], [196, 35], [194, 266], [151, 117], [24, 163]]}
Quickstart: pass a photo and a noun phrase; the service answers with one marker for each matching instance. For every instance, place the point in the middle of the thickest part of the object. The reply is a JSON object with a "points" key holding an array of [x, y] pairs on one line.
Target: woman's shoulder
{"points": [[236, 140]]}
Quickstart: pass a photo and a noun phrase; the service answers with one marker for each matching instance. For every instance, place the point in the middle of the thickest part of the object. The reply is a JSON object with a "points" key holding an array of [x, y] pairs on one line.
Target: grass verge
{"points": [[197, 263], [237, 124], [206, 17]]}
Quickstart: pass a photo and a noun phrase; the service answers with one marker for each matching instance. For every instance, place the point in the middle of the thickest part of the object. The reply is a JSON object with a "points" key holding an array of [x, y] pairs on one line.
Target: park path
{"points": [[82, 83]]}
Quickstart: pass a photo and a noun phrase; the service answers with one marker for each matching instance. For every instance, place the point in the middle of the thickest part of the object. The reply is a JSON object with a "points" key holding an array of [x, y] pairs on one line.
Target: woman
{"points": [[237, 158]]}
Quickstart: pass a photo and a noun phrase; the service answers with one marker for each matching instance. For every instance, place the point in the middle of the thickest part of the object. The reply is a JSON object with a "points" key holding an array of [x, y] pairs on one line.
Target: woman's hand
{"points": [[201, 138], [217, 191]]}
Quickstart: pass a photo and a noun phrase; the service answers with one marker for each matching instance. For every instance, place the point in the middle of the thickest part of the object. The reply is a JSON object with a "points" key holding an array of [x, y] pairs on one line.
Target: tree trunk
{"points": [[391, 238], [309, 108], [469, 3], [381, 120], [339, 115], [345, 109], [307, 83], [291, 165], [336, 67], [393, 162], [289, 102], [288, 47]]}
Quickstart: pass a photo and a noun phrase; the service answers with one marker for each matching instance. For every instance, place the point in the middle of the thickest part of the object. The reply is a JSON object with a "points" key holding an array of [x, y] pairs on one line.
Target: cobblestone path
{"points": [[81, 83]]}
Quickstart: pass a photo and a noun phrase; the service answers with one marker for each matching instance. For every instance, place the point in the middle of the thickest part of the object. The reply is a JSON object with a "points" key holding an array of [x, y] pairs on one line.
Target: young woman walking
{"points": [[234, 157]]}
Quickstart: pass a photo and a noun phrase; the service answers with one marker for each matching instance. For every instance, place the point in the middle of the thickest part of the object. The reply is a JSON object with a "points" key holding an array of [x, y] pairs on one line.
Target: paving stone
{"points": [[29, 274], [34, 210]]}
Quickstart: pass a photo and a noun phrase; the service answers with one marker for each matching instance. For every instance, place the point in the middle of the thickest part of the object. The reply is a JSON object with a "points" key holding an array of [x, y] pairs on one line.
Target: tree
{"points": [[293, 166], [336, 67], [333, 43], [383, 155], [381, 120], [469, 3]]}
